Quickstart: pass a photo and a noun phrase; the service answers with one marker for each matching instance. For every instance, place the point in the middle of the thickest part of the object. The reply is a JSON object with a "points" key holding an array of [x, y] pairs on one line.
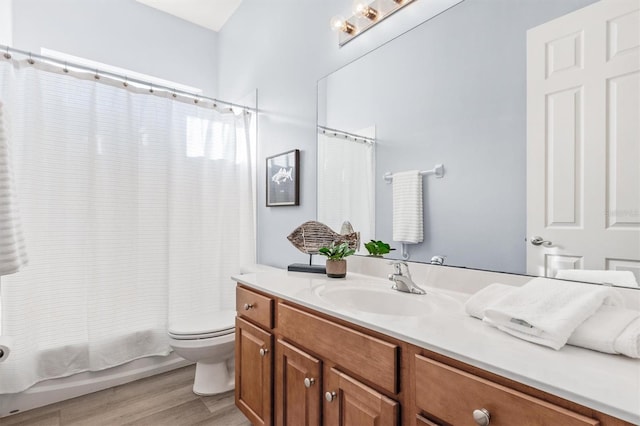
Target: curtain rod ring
{"points": [[65, 69], [7, 55], [151, 88], [125, 83], [96, 76], [174, 94], [30, 60]]}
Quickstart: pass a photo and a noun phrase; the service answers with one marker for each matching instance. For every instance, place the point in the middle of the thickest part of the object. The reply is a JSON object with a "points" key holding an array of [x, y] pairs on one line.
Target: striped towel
{"points": [[12, 248], [407, 207]]}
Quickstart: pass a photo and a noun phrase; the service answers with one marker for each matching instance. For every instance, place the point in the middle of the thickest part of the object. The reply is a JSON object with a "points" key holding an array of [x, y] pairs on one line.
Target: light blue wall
{"points": [[123, 33], [6, 22], [283, 47]]}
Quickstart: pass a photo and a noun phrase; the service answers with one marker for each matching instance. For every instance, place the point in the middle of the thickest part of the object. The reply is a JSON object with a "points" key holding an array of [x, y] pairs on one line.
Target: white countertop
{"points": [[606, 383]]}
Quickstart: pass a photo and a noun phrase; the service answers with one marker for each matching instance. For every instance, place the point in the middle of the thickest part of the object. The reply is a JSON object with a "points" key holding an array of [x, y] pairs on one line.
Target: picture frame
{"points": [[283, 179]]}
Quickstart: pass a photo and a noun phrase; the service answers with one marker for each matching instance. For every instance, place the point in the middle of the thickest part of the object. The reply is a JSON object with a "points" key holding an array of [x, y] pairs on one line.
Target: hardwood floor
{"points": [[165, 399]]}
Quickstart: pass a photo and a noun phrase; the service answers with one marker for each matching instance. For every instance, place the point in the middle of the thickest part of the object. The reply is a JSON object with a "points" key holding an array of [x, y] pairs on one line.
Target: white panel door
{"points": [[583, 140]]}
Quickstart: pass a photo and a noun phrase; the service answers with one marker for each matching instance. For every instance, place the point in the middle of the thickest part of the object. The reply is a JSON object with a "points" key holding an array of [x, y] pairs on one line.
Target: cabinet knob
{"points": [[482, 417], [263, 351], [308, 381], [330, 396], [248, 306]]}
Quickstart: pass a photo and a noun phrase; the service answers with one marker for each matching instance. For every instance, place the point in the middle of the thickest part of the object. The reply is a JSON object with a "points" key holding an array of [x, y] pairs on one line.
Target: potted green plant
{"points": [[336, 262], [377, 248]]}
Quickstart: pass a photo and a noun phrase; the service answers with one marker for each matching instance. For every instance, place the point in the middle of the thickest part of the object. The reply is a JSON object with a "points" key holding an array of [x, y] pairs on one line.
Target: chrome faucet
{"points": [[402, 281]]}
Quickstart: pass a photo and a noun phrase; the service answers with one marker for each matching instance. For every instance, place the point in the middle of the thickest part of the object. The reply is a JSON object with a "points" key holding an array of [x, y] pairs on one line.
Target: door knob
{"points": [[482, 417], [248, 306], [308, 381], [330, 396], [263, 351], [539, 241]]}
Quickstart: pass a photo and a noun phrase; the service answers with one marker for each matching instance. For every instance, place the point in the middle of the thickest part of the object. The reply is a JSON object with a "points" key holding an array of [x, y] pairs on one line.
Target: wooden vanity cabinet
{"points": [[326, 371], [349, 402], [454, 397], [254, 356], [298, 387]]}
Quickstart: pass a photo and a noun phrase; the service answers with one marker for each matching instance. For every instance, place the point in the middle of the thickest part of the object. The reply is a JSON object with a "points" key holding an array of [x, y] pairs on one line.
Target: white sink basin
{"points": [[375, 299]]}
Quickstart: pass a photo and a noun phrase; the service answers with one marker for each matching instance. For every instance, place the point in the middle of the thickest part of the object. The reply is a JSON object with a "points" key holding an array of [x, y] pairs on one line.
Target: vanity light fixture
{"points": [[360, 7], [366, 13], [340, 24]]}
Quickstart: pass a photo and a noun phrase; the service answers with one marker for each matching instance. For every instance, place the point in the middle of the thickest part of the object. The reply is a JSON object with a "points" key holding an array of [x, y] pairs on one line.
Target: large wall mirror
{"points": [[451, 91]]}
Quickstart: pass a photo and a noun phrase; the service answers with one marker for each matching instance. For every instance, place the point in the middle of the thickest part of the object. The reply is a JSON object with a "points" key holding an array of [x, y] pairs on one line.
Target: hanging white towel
{"points": [[13, 254], [547, 311], [407, 207]]}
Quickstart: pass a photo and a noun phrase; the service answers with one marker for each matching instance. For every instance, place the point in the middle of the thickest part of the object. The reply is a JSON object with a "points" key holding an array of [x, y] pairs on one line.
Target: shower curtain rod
{"points": [[125, 79], [346, 135]]}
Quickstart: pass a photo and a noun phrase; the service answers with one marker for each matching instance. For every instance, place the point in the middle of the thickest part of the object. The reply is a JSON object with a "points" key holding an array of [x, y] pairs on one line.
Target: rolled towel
{"points": [[628, 343], [547, 311], [621, 278], [609, 330]]}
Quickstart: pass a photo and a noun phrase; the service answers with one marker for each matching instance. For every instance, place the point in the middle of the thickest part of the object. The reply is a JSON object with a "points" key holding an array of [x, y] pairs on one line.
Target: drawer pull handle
{"points": [[308, 381], [482, 417], [263, 351], [330, 396], [248, 306]]}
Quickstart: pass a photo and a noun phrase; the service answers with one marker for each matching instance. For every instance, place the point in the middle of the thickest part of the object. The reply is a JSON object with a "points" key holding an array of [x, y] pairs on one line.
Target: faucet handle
{"points": [[397, 266]]}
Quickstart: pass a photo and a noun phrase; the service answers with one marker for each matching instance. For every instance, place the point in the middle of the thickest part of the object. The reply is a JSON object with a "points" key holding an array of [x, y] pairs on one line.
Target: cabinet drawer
{"points": [[254, 306], [368, 357], [451, 395], [421, 421]]}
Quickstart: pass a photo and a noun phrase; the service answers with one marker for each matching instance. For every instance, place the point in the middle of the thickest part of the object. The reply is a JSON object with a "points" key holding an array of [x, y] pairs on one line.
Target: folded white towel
{"points": [[613, 330], [407, 207], [628, 343], [480, 301], [605, 328], [547, 311], [621, 278]]}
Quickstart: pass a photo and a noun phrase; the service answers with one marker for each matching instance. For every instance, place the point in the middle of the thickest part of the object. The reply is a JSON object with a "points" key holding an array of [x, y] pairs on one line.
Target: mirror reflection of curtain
{"points": [[136, 209], [346, 189]]}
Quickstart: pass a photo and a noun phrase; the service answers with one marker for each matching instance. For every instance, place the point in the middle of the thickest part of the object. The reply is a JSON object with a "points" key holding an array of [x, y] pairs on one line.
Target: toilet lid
{"points": [[211, 323]]}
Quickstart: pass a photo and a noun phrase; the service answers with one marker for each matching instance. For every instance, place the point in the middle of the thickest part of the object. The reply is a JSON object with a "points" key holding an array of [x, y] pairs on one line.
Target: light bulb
{"points": [[361, 7], [338, 23]]}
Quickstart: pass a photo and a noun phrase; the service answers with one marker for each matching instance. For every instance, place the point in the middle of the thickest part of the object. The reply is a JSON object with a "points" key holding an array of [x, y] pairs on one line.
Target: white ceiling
{"points": [[210, 14]]}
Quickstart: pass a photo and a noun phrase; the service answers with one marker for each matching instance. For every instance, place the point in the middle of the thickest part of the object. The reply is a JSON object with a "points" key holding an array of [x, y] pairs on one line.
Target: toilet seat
{"points": [[213, 324]]}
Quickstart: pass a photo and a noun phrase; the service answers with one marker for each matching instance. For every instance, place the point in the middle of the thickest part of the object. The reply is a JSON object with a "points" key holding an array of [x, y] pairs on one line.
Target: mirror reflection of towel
{"points": [[621, 278], [407, 207]]}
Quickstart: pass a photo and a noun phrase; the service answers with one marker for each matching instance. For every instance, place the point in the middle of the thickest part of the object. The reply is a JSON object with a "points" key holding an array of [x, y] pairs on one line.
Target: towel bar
{"points": [[438, 170]]}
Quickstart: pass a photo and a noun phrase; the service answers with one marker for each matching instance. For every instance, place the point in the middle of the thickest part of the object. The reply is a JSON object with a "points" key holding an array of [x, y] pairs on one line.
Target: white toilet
{"points": [[208, 340]]}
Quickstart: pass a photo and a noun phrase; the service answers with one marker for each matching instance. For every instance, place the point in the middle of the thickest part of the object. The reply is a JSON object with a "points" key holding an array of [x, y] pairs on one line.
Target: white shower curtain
{"points": [[136, 210], [346, 184]]}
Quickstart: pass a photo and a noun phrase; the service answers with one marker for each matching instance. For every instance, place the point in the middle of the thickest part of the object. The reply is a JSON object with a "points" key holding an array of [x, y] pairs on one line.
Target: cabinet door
{"points": [[254, 373], [351, 403], [298, 387]]}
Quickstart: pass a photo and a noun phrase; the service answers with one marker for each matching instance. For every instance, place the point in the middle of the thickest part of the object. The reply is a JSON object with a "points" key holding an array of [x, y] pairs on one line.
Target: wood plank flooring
{"points": [[162, 400]]}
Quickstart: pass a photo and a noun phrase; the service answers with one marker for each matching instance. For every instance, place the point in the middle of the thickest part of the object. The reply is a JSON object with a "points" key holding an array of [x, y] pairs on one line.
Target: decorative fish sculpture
{"points": [[282, 176], [311, 236]]}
